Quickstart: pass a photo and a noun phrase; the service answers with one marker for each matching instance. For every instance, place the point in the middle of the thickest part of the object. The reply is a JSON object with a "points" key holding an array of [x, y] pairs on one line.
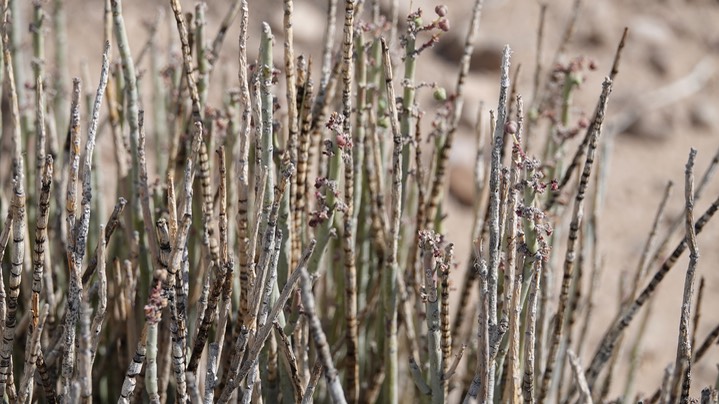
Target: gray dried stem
{"points": [[480, 387], [682, 365], [112, 224], [227, 262], [595, 129], [513, 272], [289, 360], [31, 356], [430, 250], [100, 312], [312, 382], [586, 396], [187, 64], [144, 189], [389, 275], [75, 288], [292, 108], [530, 334], [262, 286], [679, 219], [266, 145], [494, 213], [609, 340], [250, 362], [242, 168], [133, 370]]}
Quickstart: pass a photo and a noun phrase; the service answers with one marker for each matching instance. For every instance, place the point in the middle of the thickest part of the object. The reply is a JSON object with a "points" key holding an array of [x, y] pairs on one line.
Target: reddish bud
{"points": [[443, 24], [510, 127], [441, 10]]}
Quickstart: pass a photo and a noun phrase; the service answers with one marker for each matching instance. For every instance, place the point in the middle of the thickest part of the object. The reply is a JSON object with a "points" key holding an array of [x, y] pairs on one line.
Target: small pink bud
{"points": [[443, 24], [510, 127], [441, 10]]}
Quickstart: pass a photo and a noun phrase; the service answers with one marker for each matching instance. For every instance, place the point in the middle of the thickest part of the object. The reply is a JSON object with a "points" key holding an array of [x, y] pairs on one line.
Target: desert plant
{"points": [[316, 247]]}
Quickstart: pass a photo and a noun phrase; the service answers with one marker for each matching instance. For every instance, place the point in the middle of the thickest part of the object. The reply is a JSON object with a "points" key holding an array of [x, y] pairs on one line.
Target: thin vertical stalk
{"points": [[348, 239], [443, 154], [61, 82], [586, 396], [389, 275], [530, 334], [287, 261], [242, 167], [74, 289], [133, 370], [513, 272], [480, 387], [320, 340], [577, 216], [494, 216], [430, 250], [31, 356], [250, 363], [130, 77], [682, 366], [444, 320], [266, 160], [187, 64]]}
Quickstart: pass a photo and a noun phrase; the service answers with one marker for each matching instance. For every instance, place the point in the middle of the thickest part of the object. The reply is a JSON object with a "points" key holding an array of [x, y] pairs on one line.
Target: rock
{"points": [[461, 184]]}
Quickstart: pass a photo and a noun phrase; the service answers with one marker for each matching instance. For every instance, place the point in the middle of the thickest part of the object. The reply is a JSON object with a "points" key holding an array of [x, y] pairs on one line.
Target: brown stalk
{"points": [[348, 239]]}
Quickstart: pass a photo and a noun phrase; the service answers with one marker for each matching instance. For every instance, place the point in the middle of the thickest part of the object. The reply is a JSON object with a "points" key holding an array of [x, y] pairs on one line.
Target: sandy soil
{"points": [[667, 40]]}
